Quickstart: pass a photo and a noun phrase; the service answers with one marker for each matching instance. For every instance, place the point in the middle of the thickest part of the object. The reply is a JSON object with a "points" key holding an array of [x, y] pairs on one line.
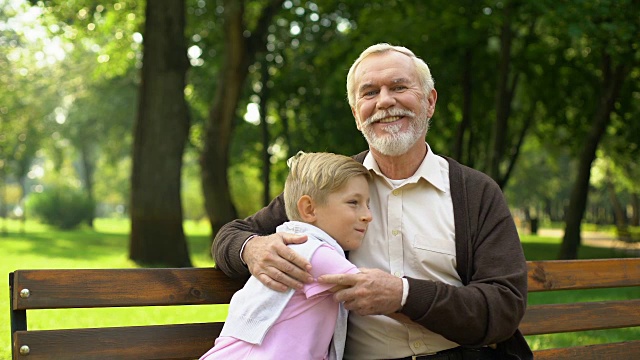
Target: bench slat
{"points": [[557, 318], [627, 350], [580, 274], [86, 288], [182, 341]]}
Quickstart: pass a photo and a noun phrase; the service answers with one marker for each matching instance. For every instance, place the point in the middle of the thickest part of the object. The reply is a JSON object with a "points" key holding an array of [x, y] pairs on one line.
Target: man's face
{"points": [[391, 110]]}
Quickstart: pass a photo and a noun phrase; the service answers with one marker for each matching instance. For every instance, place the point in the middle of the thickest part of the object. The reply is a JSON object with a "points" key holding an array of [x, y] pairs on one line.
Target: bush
{"points": [[61, 206]]}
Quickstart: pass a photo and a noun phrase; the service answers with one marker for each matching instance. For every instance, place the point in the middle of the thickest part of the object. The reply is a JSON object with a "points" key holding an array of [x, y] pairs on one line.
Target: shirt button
{"points": [[395, 232], [397, 273], [417, 344], [396, 192]]}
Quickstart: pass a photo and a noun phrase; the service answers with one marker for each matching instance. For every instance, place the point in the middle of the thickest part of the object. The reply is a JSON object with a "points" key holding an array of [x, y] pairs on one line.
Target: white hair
{"points": [[424, 74]]}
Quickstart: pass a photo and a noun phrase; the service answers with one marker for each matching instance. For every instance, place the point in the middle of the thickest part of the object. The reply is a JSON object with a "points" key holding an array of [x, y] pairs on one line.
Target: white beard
{"points": [[396, 142]]}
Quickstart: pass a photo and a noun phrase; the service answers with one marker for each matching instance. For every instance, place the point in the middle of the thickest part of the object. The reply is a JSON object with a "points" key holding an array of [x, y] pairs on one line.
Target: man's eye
{"points": [[369, 93], [400, 88]]}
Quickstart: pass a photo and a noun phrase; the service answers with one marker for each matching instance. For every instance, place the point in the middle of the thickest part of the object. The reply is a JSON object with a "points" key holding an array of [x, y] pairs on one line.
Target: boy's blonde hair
{"points": [[317, 175]]}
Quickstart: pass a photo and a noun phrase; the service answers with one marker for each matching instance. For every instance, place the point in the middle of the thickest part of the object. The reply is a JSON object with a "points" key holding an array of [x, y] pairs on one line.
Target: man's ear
{"points": [[307, 209], [431, 99]]}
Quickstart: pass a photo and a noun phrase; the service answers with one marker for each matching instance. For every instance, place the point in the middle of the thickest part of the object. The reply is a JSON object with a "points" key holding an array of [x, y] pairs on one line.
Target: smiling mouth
{"points": [[389, 119]]}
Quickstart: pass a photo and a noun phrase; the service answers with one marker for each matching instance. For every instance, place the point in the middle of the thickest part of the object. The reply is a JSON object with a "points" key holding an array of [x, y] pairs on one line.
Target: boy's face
{"points": [[346, 215]]}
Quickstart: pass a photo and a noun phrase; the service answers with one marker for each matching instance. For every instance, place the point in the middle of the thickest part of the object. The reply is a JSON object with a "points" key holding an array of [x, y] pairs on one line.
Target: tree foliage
{"points": [[529, 92]]}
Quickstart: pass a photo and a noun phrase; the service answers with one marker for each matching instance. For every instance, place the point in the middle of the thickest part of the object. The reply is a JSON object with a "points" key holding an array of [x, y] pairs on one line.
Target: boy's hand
{"points": [[275, 264]]}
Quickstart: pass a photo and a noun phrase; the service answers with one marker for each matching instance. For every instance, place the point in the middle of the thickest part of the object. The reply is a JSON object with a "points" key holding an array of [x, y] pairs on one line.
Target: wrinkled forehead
{"points": [[389, 67], [389, 62]]}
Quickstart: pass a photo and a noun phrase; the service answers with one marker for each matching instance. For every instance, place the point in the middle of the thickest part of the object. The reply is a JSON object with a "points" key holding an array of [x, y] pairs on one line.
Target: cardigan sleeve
{"points": [[230, 238]]}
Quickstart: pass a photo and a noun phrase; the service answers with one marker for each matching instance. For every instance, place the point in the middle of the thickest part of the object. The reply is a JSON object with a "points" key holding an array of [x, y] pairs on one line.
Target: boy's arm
{"points": [[327, 261]]}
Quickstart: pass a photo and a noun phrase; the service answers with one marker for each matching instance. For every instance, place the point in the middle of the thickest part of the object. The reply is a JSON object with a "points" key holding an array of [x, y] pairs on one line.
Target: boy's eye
{"points": [[353, 202]]}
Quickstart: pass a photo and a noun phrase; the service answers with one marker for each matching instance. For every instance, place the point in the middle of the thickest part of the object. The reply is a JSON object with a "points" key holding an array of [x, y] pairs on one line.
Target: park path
{"points": [[595, 238]]}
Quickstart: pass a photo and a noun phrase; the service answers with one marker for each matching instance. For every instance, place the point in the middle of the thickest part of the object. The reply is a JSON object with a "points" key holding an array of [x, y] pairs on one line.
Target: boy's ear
{"points": [[307, 208]]}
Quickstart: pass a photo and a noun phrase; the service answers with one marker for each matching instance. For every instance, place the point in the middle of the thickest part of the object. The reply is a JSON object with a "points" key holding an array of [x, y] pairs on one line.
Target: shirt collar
{"points": [[430, 170], [298, 227]]}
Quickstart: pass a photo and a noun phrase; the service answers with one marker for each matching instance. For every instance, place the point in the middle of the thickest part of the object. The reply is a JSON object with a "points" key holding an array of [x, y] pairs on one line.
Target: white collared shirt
{"points": [[412, 234]]}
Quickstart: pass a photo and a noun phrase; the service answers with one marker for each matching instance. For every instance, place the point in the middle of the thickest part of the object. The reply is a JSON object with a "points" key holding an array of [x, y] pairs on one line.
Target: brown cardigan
{"points": [[489, 258]]}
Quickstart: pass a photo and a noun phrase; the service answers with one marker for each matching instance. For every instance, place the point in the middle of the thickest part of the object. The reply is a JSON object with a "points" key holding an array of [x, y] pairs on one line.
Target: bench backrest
{"points": [[582, 316], [63, 289], [59, 289]]}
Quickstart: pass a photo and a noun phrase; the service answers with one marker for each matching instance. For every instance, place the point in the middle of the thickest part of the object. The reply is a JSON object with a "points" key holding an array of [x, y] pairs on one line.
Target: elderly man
{"points": [[443, 275]]}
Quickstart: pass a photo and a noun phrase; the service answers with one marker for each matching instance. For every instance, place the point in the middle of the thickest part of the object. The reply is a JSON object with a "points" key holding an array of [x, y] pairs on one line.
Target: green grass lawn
{"points": [[40, 247], [106, 246]]}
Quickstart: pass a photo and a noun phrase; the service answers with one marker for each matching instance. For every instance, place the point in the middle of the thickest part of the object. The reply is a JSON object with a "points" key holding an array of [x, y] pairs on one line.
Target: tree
{"points": [[609, 36], [26, 98], [501, 151], [82, 93], [240, 50], [161, 131]]}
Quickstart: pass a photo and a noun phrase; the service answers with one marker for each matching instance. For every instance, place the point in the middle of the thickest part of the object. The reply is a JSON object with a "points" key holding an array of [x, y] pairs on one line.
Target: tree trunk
{"points": [[87, 174], [23, 204], [635, 208], [619, 214], [286, 132], [612, 82], [505, 90], [515, 154], [240, 51], [503, 96], [467, 100], [266, 139], [161, 130], [214, 160]]}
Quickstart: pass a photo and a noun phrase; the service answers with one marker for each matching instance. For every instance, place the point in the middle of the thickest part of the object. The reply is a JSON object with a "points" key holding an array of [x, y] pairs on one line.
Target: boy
{"points": [[327, 198]]}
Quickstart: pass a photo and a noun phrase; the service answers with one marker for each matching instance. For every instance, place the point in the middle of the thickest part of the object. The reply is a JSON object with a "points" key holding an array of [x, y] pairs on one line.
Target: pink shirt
{"points": [[305, 327]]}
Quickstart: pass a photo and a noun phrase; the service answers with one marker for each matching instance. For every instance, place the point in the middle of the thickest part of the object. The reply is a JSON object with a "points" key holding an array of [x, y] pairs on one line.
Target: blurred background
{"points": [[177, 110]]}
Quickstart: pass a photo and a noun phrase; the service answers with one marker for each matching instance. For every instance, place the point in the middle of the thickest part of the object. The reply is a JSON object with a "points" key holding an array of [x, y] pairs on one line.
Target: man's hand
{"points": [[370, 292], [275, 264]]}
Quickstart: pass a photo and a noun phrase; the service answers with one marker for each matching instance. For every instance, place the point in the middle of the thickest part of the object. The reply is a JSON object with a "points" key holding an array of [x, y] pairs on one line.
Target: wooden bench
{"points": [[58, 289], [610, 314], [63, 289]]}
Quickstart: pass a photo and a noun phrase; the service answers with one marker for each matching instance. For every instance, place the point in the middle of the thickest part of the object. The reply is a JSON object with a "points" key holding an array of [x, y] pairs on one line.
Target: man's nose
{"points": [[386, 99]]}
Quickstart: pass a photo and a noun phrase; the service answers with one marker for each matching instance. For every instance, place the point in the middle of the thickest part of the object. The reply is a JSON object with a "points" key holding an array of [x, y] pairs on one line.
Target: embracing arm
{"points": [[490, 307], [230, 238], [267, 257]]}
